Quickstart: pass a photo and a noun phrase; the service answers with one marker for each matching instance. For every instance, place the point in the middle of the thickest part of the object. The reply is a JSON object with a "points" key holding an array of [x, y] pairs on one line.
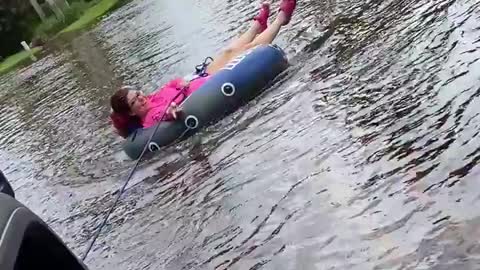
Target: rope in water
{"points": [[121, 191], [200, 70]]}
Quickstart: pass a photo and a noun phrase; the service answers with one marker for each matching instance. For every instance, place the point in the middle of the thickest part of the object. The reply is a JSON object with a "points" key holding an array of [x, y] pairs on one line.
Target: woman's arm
{"points": [[177, 83], [161, 113]]}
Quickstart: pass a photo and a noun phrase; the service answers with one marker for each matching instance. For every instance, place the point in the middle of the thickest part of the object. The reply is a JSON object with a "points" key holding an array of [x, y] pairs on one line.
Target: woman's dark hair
{"points": [[121, 118]]}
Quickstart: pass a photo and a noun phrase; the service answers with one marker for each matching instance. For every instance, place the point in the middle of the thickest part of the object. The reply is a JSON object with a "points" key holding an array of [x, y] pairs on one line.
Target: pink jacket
{"points": [[160, 100]]}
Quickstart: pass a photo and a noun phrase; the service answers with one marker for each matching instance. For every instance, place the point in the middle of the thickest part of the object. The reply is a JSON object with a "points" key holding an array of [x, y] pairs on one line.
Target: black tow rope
{"points": [[200, 71], [132, 171], [122, 190]]}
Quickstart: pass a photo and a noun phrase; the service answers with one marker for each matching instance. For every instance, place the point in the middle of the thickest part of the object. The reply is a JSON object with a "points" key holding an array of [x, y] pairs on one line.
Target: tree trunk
{"points": [[57, 10], [38, 9]]}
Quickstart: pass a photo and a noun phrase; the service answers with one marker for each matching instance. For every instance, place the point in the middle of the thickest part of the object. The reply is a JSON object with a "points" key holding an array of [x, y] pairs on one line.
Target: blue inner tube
{"points": [[241, 80]]}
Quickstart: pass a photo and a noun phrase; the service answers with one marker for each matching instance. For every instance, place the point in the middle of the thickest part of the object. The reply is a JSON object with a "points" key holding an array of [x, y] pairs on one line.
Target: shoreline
{"points": [[87, 20]]}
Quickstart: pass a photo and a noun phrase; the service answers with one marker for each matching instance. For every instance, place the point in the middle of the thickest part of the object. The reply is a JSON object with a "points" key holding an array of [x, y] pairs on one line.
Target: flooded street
{"points": [[363, 157]]}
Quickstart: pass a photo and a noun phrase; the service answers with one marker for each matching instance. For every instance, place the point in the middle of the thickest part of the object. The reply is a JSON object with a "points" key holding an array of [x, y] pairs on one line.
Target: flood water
{"points": [[363, 157]]}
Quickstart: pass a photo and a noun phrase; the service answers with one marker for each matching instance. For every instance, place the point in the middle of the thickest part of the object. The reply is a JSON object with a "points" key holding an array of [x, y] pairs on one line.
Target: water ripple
{"points": [[363, 155]]}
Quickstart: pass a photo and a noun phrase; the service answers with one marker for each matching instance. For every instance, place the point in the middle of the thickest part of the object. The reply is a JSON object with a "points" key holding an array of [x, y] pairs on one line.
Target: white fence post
{"points": [[27, 48]]}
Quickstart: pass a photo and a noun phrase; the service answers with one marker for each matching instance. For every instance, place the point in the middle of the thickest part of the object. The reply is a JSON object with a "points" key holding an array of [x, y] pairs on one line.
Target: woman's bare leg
{"points": [[258, 26], [266, 37]]}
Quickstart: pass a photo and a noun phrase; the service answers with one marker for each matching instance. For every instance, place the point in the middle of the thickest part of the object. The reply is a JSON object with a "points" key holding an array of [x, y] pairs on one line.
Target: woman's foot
{"points": [[286, 10], [262, 17]]}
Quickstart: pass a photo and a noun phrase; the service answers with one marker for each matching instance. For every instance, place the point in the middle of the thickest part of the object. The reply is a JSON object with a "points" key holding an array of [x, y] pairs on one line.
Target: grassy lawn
{"points": [[16, 59], [91, 15]]}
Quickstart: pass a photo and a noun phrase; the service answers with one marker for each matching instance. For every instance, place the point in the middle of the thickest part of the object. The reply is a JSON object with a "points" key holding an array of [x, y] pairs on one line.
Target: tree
{"points": [[12, 31], [38, 9]]}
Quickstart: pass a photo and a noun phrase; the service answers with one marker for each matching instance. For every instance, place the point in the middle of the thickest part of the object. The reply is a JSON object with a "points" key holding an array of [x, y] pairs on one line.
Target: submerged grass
{"points": [[16, 60], [91, 15], [80, 15], [52, 25]]}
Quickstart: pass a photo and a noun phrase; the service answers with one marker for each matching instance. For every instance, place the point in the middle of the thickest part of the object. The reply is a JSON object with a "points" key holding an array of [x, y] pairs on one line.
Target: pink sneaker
{"points": [[288, 6], [262, 17]]}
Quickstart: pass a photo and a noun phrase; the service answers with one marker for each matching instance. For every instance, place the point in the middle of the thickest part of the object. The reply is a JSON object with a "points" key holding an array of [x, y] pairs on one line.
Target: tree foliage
{"points": [[16, 17]]}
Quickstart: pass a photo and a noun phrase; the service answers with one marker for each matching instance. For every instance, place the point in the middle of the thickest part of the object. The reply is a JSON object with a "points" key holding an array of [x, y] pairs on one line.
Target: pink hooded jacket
{"points": [[160, 100]]}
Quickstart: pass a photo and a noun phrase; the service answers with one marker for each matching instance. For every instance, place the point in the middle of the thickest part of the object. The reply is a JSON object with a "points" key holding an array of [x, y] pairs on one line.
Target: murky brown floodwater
{"points": [[364, 157]]}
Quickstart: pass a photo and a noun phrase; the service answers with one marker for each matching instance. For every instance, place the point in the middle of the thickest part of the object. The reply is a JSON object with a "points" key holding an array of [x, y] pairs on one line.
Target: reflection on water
{"points": [[363, 157]]}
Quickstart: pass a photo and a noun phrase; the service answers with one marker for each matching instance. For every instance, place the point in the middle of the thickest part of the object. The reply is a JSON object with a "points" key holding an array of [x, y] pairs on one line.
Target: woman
{"points": [[132, 109]]}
